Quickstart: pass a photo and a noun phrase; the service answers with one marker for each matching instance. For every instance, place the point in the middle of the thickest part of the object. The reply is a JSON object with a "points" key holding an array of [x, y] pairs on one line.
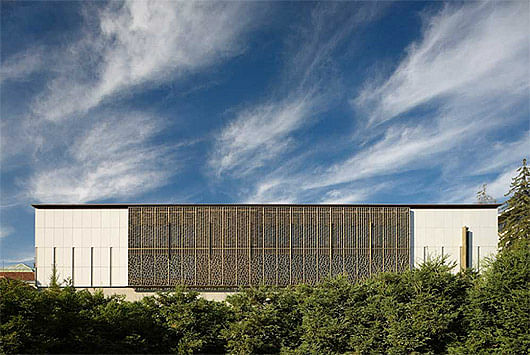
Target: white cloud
{"points": [[402, 148], [141, 42], [289, 186], [466, 52], [73, 152], [26, 258], [474, 60], [467, 192], [259, 134], [399, 148], [20, 65], [272, 190], [349, 195], [501, 155], [501, 185], [115, 158], [5, 231], [311, 49], [263, 132], [503, 162]]}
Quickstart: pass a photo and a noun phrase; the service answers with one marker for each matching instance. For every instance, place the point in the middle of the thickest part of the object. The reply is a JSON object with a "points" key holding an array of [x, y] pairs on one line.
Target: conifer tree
{"points": [[515, 218], [483, 197], [54, 278]]}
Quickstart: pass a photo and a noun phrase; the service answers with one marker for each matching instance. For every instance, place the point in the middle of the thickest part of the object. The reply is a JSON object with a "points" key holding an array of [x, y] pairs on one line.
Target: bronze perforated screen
{"points": [[229, 246]]}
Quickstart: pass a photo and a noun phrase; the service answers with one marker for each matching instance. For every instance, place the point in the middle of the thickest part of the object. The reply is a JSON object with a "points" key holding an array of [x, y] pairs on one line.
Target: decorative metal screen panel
{"points": [[229, 246]]}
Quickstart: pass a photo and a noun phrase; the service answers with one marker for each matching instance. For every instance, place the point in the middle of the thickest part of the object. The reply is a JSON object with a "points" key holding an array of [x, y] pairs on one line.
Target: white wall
{"points": [[80, 233], [437, 231]]}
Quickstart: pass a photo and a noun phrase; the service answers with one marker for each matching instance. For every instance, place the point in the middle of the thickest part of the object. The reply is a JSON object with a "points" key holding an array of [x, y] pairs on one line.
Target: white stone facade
{"points": [[90, 242], [438, 231], [90, 245]]}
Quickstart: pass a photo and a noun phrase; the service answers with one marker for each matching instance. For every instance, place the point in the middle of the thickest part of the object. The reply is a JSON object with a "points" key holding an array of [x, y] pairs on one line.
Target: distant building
{"points": [[18, 272], [226, 246]]}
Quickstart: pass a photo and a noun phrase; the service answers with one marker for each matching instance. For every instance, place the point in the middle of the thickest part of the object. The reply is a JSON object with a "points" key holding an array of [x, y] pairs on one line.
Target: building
{"points": [[223, 246], [20, 272]]}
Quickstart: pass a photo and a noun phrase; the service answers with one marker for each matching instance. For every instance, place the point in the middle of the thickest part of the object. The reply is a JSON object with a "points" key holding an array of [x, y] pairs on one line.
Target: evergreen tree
{"points": [[515, 218], [483, 197], [498, 306], [54, 278]]}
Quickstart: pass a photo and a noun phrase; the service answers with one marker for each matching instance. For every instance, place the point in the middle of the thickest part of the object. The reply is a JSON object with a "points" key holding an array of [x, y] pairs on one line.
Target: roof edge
{"points": [[126, 205]]}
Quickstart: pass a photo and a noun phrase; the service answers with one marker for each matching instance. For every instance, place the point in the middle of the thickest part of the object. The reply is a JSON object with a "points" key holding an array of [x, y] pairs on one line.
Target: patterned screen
{"points": [[230, 246]]}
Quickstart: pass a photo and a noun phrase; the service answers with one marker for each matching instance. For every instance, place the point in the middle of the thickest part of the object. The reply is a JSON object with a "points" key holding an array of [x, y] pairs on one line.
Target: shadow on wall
{"points": [[469, 250], [411, 244]]}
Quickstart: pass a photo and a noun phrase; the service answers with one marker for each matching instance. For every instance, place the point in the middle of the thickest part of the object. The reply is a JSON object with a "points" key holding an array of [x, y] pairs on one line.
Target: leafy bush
{"points": [[416, 311], [195, 324], [425, 310], [66, 320], [265, 320], [498, 306]]}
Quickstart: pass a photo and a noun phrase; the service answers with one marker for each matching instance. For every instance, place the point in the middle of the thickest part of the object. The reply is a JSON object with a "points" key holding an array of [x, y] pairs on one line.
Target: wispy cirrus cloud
{"points": [[504, 154], [261, 133], [142, 42], [5, 231], [19, 258], [20, 65], [350, 194], [471, 65], [466, 52], [466, 192], [77, 150], [469, 102], [496, 167], [112, 158]]}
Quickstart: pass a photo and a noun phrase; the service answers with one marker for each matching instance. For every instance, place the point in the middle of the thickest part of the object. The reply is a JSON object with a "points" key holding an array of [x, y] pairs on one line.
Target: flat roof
{"points": [[126, 205]]}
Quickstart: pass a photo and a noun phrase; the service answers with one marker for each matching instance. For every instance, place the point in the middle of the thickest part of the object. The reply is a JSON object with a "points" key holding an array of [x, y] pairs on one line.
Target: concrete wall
{"points": [[89, 241], [85, 241], [132, 295], [439, 231]]}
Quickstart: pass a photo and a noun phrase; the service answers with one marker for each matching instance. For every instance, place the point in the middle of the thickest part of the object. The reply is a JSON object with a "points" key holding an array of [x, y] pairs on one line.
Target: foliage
{"points": [[425, 310], [416, 311], [515, 218], [195, 324], [55, 320], [65, 320], [54, 282], [266, 319], [498, 306]]}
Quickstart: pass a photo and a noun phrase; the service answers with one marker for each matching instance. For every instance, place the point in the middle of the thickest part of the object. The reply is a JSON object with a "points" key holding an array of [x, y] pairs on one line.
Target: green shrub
{"points": [[265, 320], [326, 323], [423, 308], [195, 324], [498, 306], [415, 311], [426, 310]]}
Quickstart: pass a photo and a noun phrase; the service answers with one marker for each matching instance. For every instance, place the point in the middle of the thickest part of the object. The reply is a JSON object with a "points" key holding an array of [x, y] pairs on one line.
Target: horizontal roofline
{"points": [[126, 205]]}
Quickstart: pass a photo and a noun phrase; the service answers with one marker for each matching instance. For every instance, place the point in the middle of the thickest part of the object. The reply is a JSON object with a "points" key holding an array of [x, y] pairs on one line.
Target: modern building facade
{"points": [[222, 246]]}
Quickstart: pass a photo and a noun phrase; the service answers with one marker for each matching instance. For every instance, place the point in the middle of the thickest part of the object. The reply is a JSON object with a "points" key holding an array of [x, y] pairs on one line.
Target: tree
{"points": [[193, 323], [515, 218], [267, 320], [498, 306], [54, 278], [417, 311], [483, 197]]}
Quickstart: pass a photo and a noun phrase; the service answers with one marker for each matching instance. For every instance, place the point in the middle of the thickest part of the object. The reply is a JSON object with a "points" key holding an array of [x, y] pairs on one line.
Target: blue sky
{"points": [[171, 102]]}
